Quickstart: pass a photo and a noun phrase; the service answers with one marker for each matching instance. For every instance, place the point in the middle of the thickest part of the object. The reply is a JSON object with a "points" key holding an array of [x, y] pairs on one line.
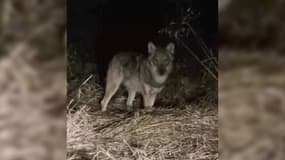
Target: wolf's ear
{"points": [[170, 47], [151, 47]]}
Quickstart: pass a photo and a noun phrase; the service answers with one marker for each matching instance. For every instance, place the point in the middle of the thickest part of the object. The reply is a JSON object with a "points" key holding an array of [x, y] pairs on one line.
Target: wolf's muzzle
{"points": [[161, 71]]}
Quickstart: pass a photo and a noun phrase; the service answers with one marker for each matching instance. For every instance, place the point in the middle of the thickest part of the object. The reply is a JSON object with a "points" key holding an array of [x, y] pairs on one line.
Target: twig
{"points": [[196, 57]]}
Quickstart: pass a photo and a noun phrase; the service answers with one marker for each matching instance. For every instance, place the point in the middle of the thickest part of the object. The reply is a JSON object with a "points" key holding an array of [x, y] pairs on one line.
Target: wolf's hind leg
{"points": [[113, 83], [111, 89]]}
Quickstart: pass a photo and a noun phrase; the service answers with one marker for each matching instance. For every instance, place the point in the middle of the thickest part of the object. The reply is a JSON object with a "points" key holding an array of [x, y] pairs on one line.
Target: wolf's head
{"points": [[161, 58]]}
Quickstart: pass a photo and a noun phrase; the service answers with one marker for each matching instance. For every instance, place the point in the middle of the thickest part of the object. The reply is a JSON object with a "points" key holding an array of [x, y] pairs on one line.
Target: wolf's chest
{"points": [[141, 86], [148, 89], [133, 83]]}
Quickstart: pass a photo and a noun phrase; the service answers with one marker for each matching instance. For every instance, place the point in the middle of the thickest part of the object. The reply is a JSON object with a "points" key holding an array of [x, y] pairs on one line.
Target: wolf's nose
{"points": [[161, 71]]}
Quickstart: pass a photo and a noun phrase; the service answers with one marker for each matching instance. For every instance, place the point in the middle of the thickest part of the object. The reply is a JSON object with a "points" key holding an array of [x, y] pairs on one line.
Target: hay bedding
{"points": [[168, 133]]}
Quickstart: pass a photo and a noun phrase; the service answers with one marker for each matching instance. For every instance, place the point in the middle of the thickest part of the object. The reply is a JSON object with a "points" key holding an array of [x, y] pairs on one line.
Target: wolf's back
{"points": [[128, 63]]}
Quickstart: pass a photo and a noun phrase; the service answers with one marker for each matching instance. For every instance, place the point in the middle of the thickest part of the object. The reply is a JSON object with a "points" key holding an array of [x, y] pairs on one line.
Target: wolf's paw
{"points": [[130, 108], [148, 109], [103, 109], [136, 114]]}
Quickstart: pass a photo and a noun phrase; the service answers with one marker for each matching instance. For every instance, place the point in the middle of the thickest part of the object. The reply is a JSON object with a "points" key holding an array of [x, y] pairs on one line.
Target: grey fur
{"points": [[139, 74]]}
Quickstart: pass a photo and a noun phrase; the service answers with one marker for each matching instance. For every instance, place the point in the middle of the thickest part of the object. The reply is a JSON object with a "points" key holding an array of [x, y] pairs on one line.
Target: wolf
{"points": [[139, 73]]}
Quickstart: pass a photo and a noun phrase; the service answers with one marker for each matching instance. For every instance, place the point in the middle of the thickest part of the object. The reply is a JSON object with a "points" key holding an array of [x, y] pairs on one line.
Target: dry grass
{"points": [[167, 133]]}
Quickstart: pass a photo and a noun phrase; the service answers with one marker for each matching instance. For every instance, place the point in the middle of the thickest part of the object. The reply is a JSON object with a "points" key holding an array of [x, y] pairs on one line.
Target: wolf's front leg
{"points": [[149, 100], [131, 97]]}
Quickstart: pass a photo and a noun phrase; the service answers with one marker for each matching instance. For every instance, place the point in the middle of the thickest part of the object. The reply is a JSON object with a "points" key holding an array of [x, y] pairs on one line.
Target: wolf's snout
{"points": [[161, 71]]}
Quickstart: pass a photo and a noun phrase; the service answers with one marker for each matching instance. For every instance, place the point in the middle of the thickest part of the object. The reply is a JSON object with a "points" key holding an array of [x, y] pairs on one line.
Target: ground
{"points": [[182, 131], [251, 119]]}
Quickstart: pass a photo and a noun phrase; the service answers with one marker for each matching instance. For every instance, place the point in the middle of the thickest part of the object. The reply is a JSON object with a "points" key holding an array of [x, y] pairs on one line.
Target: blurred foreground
{"points": [[32, 80], [32, 123], [252, 80], [251, 105]]}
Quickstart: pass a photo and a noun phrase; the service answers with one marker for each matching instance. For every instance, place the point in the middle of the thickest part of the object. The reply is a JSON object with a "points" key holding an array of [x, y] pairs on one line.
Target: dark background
{"points": [[98, 29]]}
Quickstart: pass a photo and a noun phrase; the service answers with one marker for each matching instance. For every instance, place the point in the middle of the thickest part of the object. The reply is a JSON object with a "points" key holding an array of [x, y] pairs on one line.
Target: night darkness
{"points": [[101, 28]]}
